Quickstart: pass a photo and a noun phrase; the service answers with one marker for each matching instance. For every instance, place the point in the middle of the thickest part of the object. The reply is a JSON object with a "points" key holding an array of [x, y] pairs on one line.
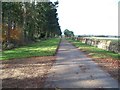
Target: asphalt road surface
{"points": [[73, 69]]}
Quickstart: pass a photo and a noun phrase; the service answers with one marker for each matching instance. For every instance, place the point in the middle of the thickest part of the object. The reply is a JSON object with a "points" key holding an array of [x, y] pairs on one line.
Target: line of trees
{"points": [[32, 21], [68, 33]]}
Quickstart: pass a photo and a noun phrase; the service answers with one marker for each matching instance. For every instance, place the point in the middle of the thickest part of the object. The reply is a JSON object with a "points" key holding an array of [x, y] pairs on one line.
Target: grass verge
{"points": [[42, 48], [94, 51]]}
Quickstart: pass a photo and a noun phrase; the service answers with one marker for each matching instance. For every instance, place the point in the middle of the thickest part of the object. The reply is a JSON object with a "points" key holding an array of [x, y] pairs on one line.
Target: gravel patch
{"points": [[112, 66], [25, 73]]}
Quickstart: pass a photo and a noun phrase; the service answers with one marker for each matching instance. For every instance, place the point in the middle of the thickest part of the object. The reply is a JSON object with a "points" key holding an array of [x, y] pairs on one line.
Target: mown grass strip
{"points": [[42, 48], [94, 51]]}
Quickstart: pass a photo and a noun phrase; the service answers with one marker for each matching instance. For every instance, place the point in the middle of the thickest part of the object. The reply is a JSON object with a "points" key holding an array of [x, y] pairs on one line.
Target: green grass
{"points": [[42, 48], [94, 51]]}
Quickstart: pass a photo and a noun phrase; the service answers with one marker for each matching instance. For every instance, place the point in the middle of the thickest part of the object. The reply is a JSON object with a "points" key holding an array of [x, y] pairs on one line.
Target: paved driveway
{"points": [[73, 69]]}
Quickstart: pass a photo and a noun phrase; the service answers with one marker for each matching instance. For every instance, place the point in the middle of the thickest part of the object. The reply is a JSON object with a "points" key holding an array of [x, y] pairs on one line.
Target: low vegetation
{"points": [[42, 48], [94, 51]]}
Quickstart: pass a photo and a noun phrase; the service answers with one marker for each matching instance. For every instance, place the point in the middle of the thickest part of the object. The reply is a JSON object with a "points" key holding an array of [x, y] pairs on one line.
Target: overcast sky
{"points": [[96, 17]]}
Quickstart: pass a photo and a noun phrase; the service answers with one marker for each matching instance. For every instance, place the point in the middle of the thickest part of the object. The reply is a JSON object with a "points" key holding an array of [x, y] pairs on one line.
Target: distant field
{"points": [[106, 38]]}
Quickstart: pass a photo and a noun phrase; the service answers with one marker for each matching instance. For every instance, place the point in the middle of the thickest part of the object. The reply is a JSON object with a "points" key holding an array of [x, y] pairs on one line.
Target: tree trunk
{"points": [[46, 35], [9, 27]]}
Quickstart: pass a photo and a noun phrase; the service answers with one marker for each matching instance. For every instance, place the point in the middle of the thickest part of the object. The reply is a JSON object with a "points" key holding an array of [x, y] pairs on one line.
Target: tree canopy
{"points": [[68, 33], [34, 20]]}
